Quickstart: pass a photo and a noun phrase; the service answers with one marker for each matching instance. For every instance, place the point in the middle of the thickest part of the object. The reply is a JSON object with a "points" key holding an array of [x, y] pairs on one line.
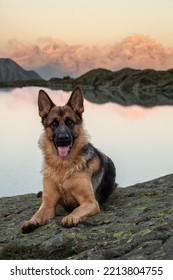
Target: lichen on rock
{"points": [[134, 224]]}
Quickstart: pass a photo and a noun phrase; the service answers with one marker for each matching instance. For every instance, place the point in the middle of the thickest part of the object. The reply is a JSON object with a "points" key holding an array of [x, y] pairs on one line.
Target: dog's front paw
{"points": [[29, 226], [70, 221]]}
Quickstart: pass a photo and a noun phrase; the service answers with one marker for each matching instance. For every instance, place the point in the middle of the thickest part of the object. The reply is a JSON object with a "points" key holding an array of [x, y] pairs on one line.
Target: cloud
{"points": [[54, 57], [140, 52]]}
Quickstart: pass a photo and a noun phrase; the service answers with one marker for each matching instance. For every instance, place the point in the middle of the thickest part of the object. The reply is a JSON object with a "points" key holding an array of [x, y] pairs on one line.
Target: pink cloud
{"points": [[134, 51]]}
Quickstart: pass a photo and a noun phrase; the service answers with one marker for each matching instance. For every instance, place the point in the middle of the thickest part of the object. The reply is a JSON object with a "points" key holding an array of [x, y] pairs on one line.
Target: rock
{"points": [[136, 223]]}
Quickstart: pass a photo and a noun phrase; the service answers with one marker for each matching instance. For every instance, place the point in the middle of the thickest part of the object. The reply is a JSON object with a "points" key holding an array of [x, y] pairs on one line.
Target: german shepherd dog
{"points": [[75, 174]]}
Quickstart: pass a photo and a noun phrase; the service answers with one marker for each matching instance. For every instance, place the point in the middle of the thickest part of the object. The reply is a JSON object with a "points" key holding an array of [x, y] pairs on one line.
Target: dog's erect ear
{"points": [[45, 104], [76, 101]]}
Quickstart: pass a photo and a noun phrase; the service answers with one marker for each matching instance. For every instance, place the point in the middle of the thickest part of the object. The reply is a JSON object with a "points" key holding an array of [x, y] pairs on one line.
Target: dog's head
{"points": [[61, 123]]}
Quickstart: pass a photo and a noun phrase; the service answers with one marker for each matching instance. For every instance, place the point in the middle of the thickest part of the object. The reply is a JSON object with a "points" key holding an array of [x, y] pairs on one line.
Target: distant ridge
{"points": [[126, 78], [127, 86], [11, 71]]}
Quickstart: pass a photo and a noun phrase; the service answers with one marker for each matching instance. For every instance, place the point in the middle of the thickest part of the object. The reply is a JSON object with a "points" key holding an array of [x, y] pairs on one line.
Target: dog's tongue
{"points": [[63, 151]]}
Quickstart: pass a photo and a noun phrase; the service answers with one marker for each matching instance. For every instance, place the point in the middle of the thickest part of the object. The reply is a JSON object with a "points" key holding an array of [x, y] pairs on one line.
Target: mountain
{"points": [[126, 78], [11, 71], [94, 76], [127, 86]]}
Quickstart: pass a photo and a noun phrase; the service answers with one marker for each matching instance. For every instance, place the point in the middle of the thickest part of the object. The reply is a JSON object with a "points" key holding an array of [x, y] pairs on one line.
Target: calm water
{"points": [[138, 140]]}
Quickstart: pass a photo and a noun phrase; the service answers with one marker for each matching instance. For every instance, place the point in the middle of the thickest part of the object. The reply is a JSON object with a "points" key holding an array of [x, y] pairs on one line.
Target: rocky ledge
{"points": [[136, 223]]}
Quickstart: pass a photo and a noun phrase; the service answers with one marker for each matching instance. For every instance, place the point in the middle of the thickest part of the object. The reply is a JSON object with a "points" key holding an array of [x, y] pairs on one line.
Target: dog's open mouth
{"points": [[63, 151], [63, 143]]}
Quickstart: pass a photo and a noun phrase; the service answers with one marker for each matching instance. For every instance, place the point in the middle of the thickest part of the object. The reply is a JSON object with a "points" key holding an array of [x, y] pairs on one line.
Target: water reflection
{"points": [[138, 140]]}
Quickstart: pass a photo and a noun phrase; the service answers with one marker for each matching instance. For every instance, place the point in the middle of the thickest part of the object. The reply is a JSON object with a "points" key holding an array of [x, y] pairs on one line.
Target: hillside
{"points": [[11, 71], [127, 86], [126, 80], [126, 77]]}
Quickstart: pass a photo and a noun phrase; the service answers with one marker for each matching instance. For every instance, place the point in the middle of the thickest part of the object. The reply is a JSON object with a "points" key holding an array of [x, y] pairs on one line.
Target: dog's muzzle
{"points": [[63, 142]]}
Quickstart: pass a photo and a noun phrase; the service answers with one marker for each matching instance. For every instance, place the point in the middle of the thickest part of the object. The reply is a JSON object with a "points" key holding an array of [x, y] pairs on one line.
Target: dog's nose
{"points": [[63, 137]]}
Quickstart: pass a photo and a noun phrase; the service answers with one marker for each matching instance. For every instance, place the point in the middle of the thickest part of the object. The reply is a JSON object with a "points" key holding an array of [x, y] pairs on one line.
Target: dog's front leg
{"points": [[79, 214], [81, 189], [46, 211]]}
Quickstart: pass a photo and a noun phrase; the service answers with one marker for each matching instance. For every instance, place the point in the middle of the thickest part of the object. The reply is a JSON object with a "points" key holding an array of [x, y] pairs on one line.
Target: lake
{"points": [[139, 140]]}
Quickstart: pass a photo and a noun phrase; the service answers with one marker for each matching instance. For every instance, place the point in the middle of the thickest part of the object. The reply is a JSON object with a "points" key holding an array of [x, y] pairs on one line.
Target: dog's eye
{"points": [[69, 122], [54, 124]]}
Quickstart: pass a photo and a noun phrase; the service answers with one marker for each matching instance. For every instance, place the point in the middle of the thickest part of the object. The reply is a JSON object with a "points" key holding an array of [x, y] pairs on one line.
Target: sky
{"points": [[59, 37]]}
